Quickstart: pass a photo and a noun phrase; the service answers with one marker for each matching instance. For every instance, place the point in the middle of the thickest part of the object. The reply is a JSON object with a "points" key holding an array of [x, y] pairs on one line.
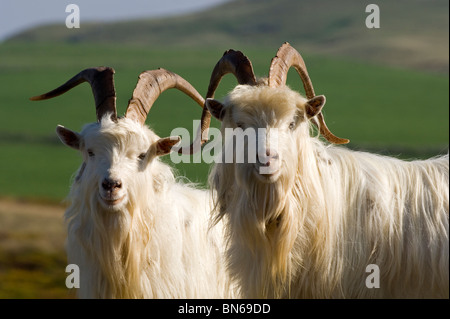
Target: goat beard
{"points": [[117, 242], [127, 248], [266, 201], [262, 229]]}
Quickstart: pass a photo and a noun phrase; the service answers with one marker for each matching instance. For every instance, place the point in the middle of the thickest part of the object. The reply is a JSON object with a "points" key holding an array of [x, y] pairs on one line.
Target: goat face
{"points": [[278, 116], [116, 155]]}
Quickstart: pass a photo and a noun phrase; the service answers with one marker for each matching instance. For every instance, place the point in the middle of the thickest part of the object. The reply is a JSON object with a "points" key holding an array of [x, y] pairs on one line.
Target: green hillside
{"points": [[399, 112], [386, 90], [413, 33]]}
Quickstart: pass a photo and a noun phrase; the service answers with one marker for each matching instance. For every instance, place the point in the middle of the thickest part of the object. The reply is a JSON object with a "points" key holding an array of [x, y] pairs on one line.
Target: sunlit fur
{"points": [[156, 245], [332, 212]]}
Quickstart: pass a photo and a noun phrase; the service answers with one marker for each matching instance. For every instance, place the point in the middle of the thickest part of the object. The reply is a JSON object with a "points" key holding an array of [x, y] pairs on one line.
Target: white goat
{"points": [[311, 227], [133, 230]]}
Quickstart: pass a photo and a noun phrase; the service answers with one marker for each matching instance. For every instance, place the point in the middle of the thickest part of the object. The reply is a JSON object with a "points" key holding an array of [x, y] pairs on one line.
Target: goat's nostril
{"points": [[272, 153], [109, 184], [106, 184]]}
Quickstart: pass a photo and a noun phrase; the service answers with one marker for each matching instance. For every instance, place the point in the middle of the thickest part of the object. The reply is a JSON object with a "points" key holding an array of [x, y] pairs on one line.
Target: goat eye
{"points": [[141, 156], [292, 125], [90, 153]]}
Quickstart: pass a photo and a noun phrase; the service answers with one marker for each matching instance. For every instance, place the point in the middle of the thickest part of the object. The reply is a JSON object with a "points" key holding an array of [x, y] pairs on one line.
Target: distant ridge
{"points": [[413, 34]]}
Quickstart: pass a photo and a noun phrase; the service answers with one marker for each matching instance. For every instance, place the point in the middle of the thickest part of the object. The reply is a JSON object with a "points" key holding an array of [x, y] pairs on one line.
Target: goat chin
{"points": [[268, 177], [116, 204]]}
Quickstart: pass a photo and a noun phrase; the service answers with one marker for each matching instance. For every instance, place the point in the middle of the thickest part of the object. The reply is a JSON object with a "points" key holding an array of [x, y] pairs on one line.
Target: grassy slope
{"points": [[32, 257], [413, 33], [377, 108], [400, 111]]}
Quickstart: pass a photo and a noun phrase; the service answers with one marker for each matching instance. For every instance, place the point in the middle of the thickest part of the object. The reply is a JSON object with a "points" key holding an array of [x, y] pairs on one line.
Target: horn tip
{"points": [[104, 68], [229, 51], [342, 141], [37, 98]]}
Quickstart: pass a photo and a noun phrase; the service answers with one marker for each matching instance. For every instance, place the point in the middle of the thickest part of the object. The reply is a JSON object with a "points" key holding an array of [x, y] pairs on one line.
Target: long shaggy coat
{"points": [[331, 213], [159, 243]]}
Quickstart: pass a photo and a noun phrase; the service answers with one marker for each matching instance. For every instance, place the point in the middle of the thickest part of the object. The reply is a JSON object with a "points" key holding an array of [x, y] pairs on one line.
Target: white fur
{"points": [[157, 242], [312, 232]]}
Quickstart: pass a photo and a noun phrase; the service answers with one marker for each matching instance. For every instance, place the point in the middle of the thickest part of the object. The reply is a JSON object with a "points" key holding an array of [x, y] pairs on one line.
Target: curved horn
{"points": [[286, 58], [231, 62], [101, 80], [148, 88], [150, 85]]}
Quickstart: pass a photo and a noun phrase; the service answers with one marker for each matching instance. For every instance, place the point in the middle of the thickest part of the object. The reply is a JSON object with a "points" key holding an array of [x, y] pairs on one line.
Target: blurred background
{"points": [[386, 88]]}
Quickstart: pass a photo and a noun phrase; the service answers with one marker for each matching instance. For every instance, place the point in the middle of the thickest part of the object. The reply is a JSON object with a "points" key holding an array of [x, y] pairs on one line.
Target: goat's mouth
{"points": [[267, 174], [112, 201]]}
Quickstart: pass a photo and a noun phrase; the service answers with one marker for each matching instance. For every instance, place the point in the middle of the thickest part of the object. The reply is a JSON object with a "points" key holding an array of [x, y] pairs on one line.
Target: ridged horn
{"points": [[239, 65], [149, 87], [101, 80], [231, 62], [286, 58]]}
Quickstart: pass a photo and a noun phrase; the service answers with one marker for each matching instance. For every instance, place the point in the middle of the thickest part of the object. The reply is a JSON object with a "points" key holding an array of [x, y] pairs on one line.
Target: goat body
{"points": [[311, 231], [133, 230], [152, 239]]}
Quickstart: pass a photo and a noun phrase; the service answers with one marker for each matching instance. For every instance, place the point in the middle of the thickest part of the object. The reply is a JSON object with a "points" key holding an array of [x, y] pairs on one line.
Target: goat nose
{"points": [[110, 184], [271, 153]]}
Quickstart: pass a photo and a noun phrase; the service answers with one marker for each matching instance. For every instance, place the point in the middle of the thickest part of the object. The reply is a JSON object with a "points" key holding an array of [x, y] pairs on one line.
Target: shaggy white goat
{"points": [[133, 230], [311, 227]]}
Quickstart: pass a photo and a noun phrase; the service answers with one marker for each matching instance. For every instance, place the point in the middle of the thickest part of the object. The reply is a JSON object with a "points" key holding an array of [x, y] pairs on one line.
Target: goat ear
{"points": [[68, 137], [215, 107], [314, 106], [164, 145]]}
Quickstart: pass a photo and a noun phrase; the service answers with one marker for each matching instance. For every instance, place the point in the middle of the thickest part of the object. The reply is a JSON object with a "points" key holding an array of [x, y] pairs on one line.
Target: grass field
{"points": [[400, 112], [32, 256], [395, 111]]}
